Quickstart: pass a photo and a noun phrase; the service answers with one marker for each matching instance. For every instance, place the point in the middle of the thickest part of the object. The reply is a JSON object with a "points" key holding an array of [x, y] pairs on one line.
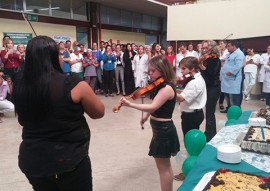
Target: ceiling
{"points": [[140, 6]]}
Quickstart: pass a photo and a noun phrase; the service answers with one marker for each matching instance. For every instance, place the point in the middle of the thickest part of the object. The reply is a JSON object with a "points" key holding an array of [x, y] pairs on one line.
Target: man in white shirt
{"points": [[191, 51], [250, 71], [76, 62], [182, 54]]}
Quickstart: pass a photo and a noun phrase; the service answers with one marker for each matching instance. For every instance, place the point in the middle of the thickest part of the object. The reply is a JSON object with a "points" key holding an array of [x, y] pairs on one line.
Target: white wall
{"points": [[217, 19], [124, 37]]}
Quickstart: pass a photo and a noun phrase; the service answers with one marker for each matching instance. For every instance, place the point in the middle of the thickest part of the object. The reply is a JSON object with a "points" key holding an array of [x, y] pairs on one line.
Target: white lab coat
{"points": [[140, 66], [266, 81], [264, 60]]}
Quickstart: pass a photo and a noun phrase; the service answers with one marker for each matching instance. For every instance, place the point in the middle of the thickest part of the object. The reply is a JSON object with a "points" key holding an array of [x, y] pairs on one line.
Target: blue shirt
{"points": [[108, 62], [233, 64], [66, 65], [97, 54]]}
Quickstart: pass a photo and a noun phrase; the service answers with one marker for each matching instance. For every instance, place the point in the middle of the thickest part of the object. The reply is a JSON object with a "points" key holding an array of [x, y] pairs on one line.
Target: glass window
{"points": [[155, 23], [39, 7], [103, 15], [11, 5], [126, 18], [82, 36], [137, 20], [114, 16], [164, 20], [146, 22], [79, 10], [61, 8]]}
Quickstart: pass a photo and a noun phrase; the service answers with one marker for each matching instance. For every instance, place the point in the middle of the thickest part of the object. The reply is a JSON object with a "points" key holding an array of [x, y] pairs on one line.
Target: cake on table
{"points": [[257, 140], [224, 179], [264, 113]]}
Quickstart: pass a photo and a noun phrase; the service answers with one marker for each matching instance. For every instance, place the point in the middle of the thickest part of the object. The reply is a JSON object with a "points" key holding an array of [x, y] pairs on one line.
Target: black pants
{"points": [[79, 179], [213, 94], [191, 120], [221, 98], [108, 81]]}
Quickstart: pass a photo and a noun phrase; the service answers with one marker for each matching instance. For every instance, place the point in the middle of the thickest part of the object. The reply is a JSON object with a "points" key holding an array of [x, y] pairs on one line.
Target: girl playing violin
{"points": [[165, 142], [210, 69]]}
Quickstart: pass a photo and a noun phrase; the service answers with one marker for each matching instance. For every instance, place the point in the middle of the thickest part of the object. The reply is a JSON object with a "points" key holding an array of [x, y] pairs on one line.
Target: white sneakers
{"points": [[246, 97]]}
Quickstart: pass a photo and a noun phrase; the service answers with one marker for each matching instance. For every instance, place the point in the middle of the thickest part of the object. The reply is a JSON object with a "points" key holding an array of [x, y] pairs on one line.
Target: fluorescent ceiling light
{"points": [[43, 9], [156, 2]]}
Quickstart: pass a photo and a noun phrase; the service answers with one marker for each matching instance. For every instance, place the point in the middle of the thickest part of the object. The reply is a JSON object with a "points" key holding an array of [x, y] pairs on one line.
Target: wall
{"points": [[124, 37], [8, 25], [216, 20]]}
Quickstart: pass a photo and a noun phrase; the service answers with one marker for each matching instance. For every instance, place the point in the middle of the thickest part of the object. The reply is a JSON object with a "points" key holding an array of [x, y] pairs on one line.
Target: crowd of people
{"points": [[52, 82]]}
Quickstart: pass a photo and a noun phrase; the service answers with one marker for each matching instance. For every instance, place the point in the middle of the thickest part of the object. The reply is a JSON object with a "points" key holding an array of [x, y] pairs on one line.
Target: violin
{"points": [[183, 80], [203, 58], [141, 92]]}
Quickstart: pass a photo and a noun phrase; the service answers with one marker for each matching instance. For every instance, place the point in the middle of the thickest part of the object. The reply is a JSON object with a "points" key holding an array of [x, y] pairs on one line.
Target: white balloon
{"points": [[221, 124], [181, 157]]}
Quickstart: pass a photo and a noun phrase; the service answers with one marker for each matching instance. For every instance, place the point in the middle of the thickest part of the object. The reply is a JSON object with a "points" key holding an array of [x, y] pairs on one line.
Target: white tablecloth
{"points": [[234, 135]]}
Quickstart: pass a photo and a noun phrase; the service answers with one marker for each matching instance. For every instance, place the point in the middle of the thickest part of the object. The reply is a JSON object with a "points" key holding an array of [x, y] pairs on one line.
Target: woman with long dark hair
{"points": [[50, 106], [128, 70]]}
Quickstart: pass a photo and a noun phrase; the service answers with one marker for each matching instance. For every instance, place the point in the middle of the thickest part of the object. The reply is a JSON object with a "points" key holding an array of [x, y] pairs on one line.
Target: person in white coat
{"points": [[261, 75], [266, 81], [140, 65], [250, 70]]}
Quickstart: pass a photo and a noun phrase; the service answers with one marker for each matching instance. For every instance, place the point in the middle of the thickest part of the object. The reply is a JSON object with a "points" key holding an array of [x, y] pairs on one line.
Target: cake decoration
{"points": [[257, 140], [225, 179]]}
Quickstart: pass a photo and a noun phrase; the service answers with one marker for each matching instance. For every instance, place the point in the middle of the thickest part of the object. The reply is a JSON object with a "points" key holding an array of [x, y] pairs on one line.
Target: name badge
{"points": [[109, 61]]}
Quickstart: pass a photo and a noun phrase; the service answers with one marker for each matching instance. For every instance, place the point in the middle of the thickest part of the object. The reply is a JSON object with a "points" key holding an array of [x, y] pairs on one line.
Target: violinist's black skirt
{"points": [[165, 142]]}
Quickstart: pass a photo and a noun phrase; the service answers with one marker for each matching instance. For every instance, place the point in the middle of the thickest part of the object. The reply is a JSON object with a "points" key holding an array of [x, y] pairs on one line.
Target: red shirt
{"points": [[170, 58], [13, 60]]}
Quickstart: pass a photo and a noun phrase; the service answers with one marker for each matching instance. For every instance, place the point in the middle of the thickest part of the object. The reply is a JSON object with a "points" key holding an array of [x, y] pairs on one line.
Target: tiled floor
{"points": [[118, 150]]}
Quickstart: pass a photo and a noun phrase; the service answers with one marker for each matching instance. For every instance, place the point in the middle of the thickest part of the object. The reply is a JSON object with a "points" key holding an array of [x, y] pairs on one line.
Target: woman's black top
{"points": [[58, 143], [212, 72], [166, 110]]}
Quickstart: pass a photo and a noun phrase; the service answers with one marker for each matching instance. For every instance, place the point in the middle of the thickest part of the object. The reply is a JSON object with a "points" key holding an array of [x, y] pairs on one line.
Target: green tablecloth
{"points": [[207, 162]]}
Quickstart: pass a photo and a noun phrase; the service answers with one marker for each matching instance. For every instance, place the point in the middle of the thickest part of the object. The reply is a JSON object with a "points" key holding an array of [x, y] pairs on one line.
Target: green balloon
{"points": [[194, 141], [230, 122], [188, 164], [234, 112]]}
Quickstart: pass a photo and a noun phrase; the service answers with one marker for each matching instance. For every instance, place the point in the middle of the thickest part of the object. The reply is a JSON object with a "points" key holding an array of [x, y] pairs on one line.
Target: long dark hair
{"points": [[32, 96]]}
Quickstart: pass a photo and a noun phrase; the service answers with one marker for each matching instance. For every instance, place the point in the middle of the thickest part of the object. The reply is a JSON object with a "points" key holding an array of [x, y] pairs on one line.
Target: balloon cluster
{"points": [[194, 141], [234, 112]]}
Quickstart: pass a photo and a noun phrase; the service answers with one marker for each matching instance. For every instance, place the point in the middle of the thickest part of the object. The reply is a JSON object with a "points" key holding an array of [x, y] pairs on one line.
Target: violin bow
{"points": [[29, 23], [143, 85], [217, 44]]}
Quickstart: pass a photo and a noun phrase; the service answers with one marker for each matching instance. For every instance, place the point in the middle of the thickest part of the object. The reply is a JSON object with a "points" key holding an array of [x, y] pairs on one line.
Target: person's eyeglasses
{"points": [[204, 47]]}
